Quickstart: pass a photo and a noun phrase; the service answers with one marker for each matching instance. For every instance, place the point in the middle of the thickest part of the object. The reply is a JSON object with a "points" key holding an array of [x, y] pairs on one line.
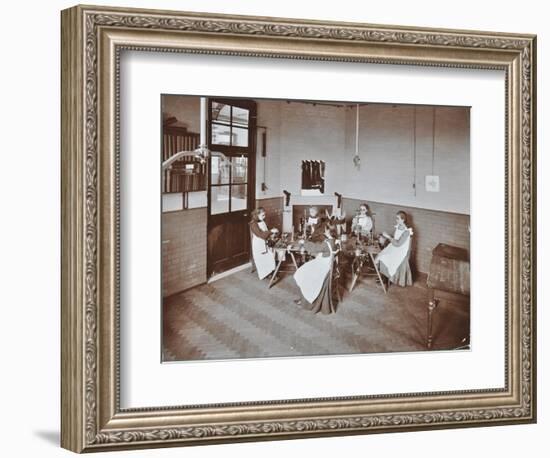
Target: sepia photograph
{"points": [[307, 228], [295, 227]]}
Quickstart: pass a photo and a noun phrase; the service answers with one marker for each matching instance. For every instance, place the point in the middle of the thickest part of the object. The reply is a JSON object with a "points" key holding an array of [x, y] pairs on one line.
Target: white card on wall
{"points": [[432, 183]]}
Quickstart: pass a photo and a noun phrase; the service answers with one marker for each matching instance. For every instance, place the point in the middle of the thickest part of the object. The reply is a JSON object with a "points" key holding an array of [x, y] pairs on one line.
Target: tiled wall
{"points": [[273, 211], [184, 247], [183, 250], [184, 253], [430, 228]]}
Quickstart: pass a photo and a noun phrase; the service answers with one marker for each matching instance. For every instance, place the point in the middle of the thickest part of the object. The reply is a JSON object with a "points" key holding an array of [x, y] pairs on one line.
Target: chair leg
{"points": [[432, 305], [274, 274]]}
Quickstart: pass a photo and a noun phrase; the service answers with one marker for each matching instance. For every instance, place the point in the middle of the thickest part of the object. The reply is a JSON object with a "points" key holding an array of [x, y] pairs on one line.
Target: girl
{"points": [[264, 257], [394, 259], [313, 219], [313, 277], [362, 222]]}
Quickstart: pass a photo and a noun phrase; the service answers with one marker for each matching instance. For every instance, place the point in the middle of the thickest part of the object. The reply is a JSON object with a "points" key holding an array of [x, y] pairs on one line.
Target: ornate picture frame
{"points": [[92, 40]]}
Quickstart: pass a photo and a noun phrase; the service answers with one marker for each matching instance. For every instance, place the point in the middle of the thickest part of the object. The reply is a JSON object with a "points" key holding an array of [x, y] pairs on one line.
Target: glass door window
{"points": [[230, 145], [229, 125], [229, 183]]}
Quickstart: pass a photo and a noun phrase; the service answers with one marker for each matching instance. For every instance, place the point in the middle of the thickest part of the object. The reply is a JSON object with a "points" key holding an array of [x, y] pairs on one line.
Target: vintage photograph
{"points": [[307, 227]]}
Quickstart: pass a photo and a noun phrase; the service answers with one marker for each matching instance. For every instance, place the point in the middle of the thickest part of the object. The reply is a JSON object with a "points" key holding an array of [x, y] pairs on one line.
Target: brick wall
{"points": [[184, 247], [183, 250], [184, 254], [430, 228]]}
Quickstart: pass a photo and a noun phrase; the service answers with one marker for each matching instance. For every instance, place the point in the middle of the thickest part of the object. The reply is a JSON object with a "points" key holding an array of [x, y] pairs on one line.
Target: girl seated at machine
{"points": [[394, 258], [313, 277], [362, 221], [313, 219], [262, 254]]}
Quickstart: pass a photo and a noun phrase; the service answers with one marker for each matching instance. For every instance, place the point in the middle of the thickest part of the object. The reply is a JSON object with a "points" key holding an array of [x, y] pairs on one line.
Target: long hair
{"points": [[402, 215], [255, 213], [364, 204]]}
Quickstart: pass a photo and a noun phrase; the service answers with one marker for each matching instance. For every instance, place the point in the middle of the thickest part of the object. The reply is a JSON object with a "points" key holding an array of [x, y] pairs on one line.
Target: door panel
{"points": [[228, 242], [232, 138]]}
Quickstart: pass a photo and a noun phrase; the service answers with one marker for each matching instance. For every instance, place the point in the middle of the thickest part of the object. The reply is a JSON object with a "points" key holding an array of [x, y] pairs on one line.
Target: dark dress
{"points": [[257, 231], [322, 303]]}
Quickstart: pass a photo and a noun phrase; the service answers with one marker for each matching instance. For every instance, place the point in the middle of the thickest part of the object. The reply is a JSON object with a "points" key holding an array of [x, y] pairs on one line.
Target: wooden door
{"points": [[231, 183]]}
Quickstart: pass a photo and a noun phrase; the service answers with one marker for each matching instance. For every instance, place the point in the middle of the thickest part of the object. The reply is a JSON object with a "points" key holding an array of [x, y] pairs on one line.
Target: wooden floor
{"points": [[239, 317]]}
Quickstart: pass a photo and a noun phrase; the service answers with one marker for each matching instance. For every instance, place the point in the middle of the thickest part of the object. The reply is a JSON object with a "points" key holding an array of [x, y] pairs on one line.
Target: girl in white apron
{"points": [[263, 256], [393, 260], [313, 277], [362, 222], [313, 219]]}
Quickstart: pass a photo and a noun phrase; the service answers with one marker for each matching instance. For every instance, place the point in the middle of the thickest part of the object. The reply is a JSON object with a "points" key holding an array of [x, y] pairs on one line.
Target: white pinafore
{"points": [[392, 256], [312, 221], [311, 275], [364, 221], [264, 257]]}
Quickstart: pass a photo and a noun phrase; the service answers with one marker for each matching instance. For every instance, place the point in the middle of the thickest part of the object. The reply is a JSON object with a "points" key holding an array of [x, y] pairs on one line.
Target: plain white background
{"points": [[29, 242]]}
